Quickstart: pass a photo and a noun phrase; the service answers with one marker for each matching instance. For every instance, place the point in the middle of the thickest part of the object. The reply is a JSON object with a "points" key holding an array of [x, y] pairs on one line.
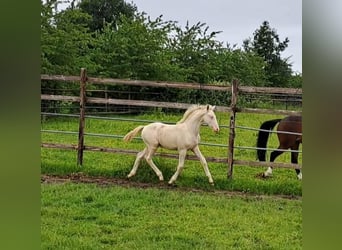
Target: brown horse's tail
{"points": [[131, 134], [263, 138]]}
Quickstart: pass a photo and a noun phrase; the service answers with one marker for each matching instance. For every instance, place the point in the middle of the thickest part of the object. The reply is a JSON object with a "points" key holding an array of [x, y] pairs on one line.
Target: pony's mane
{"points": [[191, 110]]}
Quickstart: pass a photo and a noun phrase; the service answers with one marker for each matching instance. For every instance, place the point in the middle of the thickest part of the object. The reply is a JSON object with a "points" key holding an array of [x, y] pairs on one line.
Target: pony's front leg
{"points": [[140, 155], [204, 164], [182, 154]]}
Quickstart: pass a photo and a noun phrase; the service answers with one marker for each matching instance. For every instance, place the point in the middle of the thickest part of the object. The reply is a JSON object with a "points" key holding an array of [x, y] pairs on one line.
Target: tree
{"points": [[106, 11], [296, 81], [195, 51], [266, 44], [136, 49], [141, 48], [65, 41]]}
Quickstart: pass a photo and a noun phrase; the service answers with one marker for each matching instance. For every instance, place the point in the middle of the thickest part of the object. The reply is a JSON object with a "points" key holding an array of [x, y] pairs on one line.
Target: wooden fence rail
{"points": [[179, 85], [233, 88], [175, 105]]}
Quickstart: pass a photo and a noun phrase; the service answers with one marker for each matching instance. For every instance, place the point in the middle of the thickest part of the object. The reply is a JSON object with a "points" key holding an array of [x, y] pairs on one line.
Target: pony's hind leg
{"points": [[182, 154], [140, 155], [148, 157]]}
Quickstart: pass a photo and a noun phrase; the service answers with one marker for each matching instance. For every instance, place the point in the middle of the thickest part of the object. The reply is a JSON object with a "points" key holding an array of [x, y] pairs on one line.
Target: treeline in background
{"points": [[112, 39]]}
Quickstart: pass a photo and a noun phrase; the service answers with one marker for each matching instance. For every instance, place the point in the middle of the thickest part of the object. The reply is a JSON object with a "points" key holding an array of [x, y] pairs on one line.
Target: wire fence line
{"points": [[116, 118], [139, 138], [101, 117], [115, 136], [149, 121], [166, 122], [268, 149], [266, 130]]}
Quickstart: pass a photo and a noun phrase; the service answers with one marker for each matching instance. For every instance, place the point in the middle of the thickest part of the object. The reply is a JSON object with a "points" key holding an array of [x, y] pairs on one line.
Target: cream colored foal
{"points": [[182, 136]]}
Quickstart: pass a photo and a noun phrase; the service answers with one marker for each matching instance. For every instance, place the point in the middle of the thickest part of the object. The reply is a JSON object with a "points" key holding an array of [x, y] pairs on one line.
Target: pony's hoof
{"points": [[211, 183], [262, 176], [172, 184]]}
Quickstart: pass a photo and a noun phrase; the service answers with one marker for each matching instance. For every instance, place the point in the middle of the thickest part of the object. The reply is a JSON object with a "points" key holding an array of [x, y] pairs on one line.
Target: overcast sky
{"points": [[237, 19]]}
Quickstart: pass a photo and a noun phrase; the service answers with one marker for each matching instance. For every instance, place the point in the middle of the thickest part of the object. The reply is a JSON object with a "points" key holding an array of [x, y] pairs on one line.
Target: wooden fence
{"points": [[82, 99]]}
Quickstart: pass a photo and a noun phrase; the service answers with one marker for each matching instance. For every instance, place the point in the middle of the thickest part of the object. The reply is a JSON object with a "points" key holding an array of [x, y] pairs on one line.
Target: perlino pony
{"points": [[182, 136]]}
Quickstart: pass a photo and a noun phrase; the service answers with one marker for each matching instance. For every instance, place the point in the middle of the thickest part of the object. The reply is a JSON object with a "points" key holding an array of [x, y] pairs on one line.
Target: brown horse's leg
{"points": [[294, 159], [274, 155]]}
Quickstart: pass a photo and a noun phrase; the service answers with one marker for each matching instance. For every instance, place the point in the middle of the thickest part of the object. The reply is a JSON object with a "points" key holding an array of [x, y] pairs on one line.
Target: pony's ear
{"points": [[209, 107]]}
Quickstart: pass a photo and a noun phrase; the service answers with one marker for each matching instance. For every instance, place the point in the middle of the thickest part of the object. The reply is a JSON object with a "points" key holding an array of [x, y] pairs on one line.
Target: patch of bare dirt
{"points": [[110, 181]]}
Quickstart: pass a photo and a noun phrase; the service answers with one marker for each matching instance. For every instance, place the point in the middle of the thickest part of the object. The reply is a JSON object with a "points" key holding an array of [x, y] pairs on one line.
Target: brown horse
{"points": [[289, 133]]}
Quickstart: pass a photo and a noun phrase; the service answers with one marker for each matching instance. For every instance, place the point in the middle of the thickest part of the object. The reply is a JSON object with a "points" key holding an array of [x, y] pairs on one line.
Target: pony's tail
{"points": [[263, 138], [131, 134]]}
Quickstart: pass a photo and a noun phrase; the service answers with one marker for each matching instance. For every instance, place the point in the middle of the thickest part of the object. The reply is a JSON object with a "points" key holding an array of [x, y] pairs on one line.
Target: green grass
{"points": [[284, 181], [86, 216]]}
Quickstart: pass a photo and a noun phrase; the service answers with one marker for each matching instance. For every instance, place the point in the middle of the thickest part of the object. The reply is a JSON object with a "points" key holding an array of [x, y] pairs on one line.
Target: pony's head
{"points": [[210, 118]]}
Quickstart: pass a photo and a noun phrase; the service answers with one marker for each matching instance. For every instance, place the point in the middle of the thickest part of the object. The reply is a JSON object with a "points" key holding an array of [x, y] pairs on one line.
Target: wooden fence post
{"points": [[232, 129], [82, 118]]}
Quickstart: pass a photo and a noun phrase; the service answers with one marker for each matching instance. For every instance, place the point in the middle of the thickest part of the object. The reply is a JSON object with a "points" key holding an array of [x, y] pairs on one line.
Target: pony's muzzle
{"points": [[216, 130]]}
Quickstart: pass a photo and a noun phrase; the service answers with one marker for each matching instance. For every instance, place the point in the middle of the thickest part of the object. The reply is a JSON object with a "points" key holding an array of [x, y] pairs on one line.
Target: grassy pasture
{"points": [[87, 216], [56, 161]]}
